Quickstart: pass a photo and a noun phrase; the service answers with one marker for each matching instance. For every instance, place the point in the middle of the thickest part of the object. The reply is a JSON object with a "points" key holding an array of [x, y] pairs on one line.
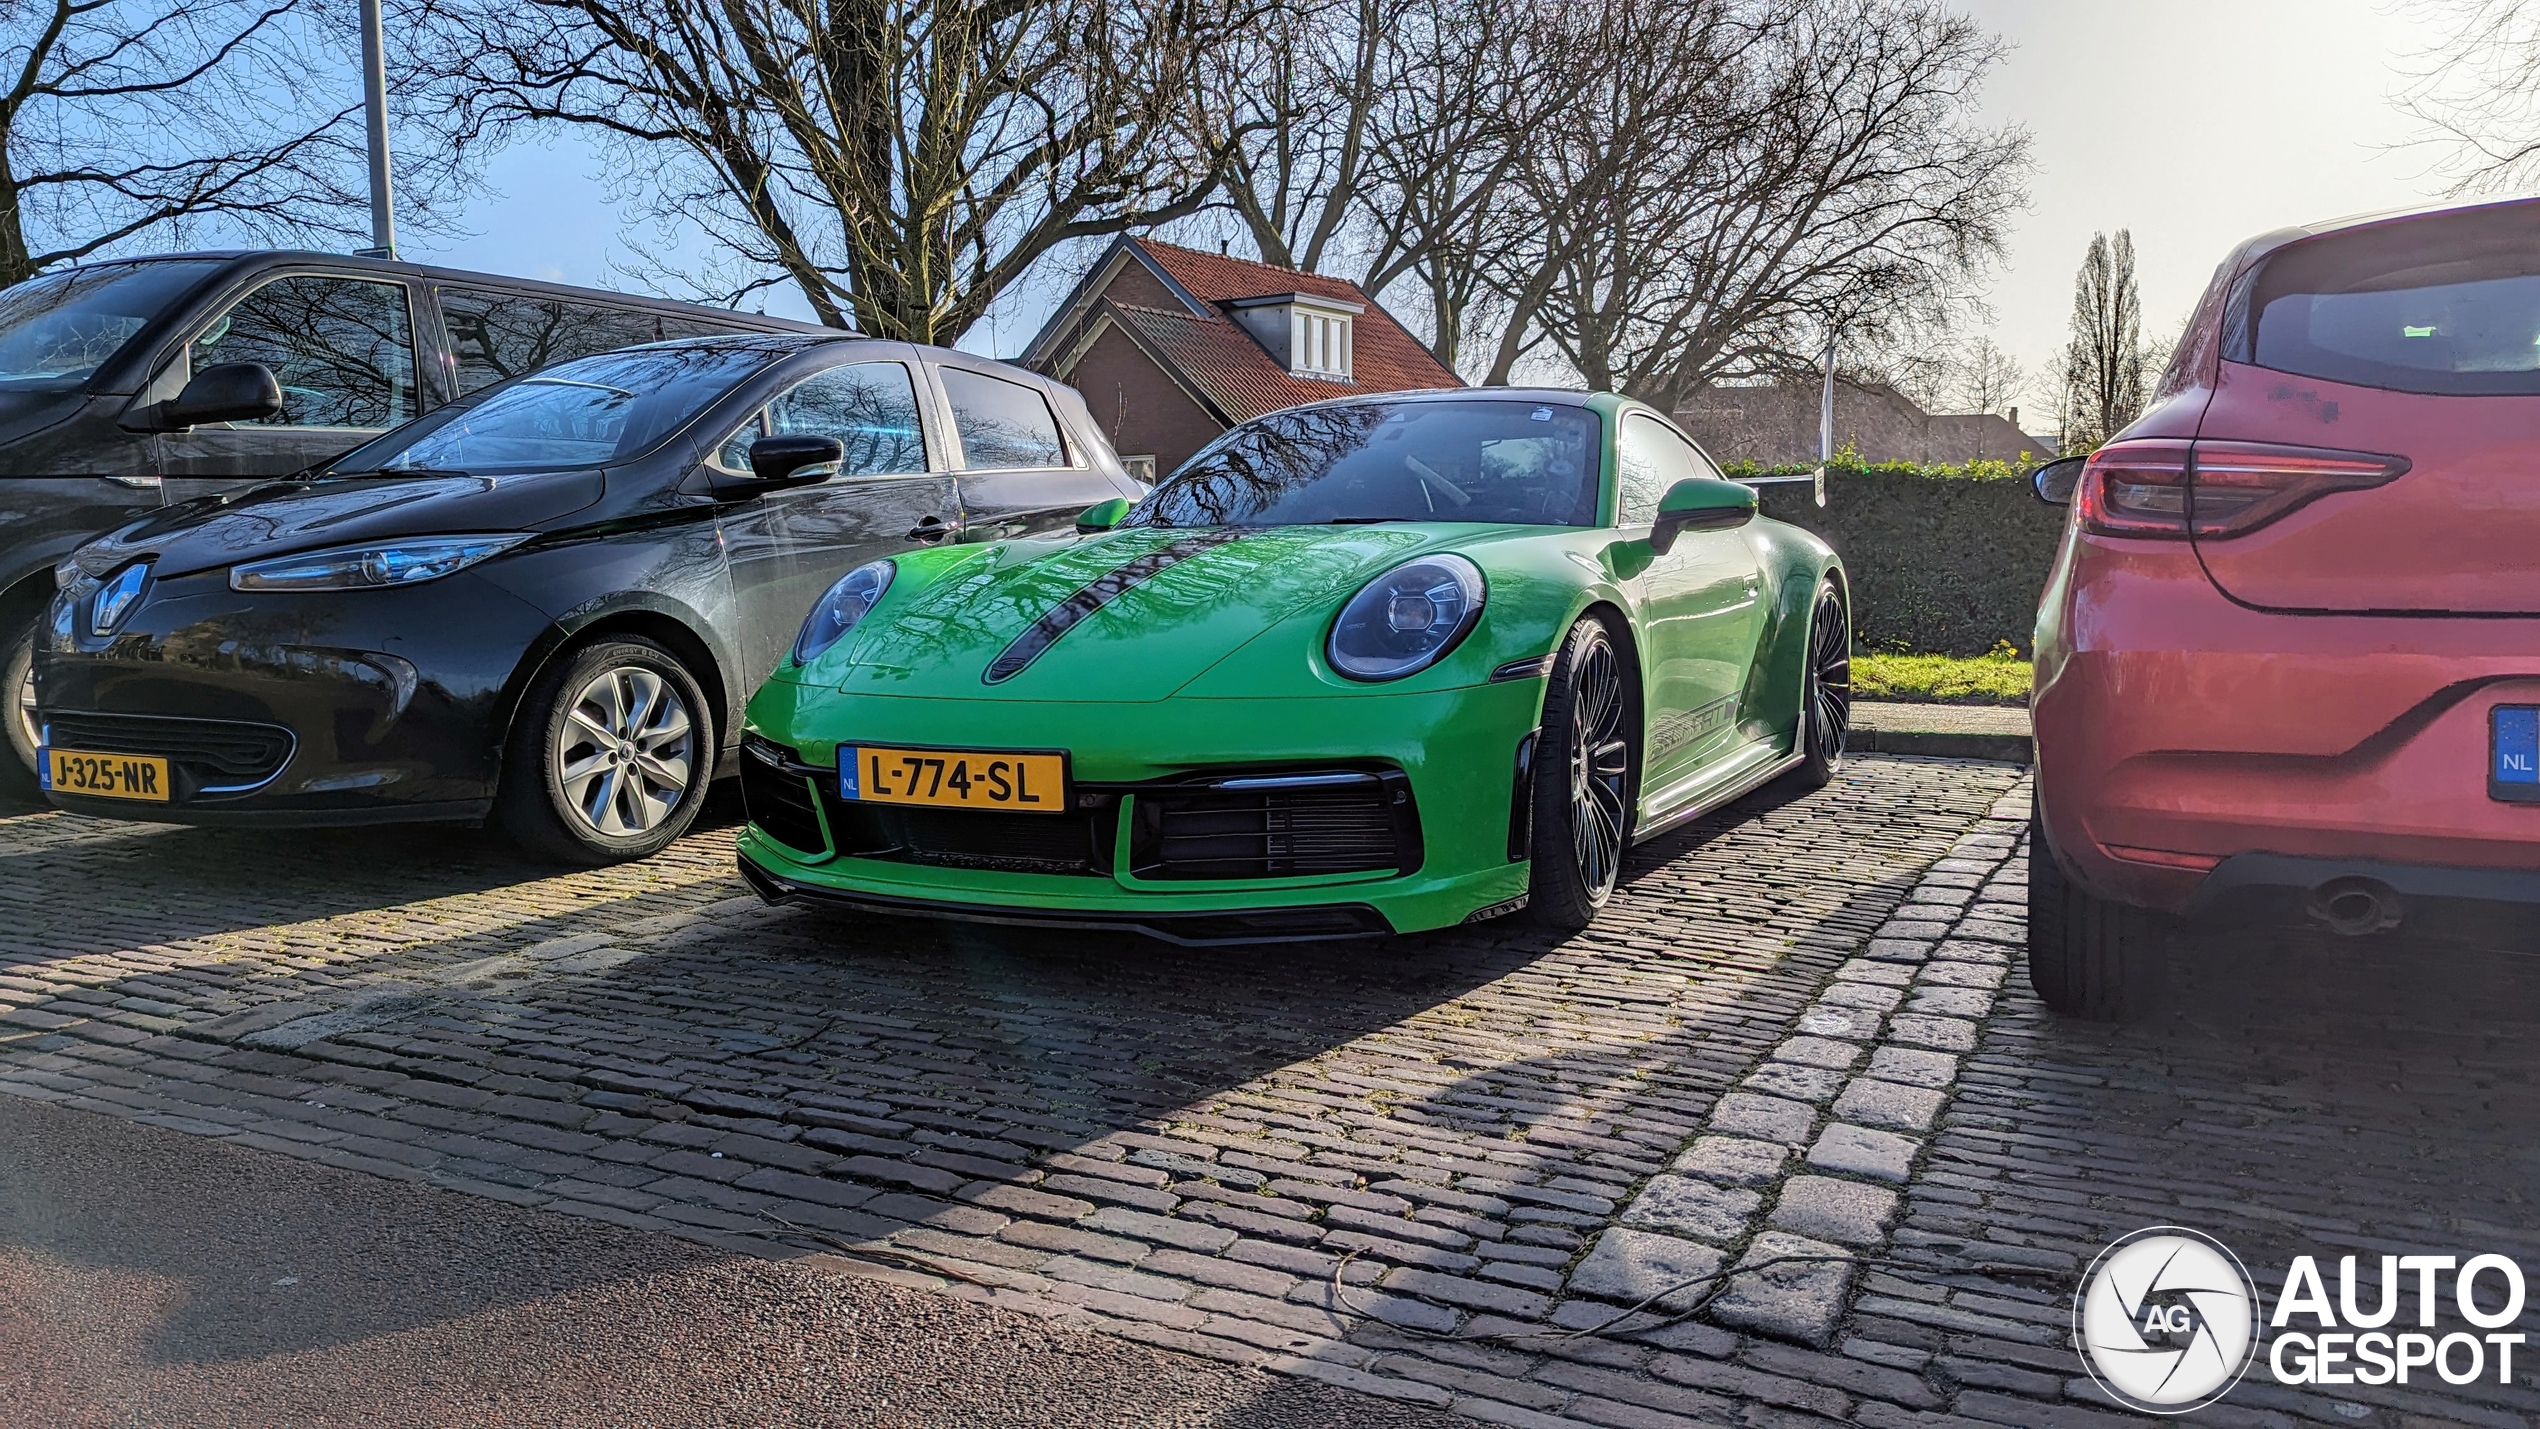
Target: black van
{"points": [[102, 417]]}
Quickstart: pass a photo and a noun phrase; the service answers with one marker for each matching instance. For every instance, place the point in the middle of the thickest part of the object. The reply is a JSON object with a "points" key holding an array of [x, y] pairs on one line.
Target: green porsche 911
{"points": [[1364, 667]]}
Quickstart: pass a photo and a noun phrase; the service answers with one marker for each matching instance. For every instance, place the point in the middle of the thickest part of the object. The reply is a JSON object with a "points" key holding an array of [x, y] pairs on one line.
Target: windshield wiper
{"points": [[393, 472], [1362, 520]]}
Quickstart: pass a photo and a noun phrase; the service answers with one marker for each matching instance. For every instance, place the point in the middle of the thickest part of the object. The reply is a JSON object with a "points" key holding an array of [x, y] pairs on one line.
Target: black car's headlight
{"points": [[407, 560], [1407, 619], [838, 610]]}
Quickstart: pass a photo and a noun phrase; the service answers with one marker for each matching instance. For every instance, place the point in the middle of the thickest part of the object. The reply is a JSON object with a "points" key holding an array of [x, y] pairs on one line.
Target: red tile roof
{"points": [[1238, 375]]}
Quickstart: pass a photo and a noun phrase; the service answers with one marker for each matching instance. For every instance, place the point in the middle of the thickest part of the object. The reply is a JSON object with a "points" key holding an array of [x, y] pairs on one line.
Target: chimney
{"points": [[2015, 418]]}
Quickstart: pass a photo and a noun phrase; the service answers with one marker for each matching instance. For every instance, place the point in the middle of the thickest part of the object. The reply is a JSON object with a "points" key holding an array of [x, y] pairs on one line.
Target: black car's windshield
{"points": [[57, 329], [593, 411], [1486, 460]]}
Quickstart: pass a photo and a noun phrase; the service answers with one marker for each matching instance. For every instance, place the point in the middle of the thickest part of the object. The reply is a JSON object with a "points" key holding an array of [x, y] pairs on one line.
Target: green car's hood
{"points": [[1129, 615]]}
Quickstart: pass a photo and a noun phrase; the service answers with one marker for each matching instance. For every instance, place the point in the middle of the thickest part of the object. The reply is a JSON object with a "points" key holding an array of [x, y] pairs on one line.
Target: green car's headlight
{"points": [[837, 611], [1407, 619], [408, 560]]}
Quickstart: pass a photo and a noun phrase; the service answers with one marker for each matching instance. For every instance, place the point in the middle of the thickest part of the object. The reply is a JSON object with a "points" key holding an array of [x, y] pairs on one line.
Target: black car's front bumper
{"points": [[304, 709]]}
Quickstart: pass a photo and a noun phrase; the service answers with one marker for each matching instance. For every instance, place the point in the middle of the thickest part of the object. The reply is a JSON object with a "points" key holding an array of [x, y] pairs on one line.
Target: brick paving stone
{"points": [[1682, 1205], [1732, 1160], [1870, 1102], [1913, 1066], [1863, 1152], [1845, 1212], [1764, 1118], [1633, 1265], [1796, 1292]]}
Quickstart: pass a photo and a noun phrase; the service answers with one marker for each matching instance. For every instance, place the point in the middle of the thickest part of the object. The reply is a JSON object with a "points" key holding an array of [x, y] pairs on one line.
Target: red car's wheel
{"points": [[2087, 956]]}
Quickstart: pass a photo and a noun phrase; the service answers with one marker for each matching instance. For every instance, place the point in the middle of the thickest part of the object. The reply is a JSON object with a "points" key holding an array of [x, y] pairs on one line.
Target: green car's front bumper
{"points": [[1457, 748]]}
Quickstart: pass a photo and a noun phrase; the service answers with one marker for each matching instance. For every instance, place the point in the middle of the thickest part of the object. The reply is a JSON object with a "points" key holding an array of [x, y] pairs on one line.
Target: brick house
{"points": [[1172, 346], [1775, 424]]}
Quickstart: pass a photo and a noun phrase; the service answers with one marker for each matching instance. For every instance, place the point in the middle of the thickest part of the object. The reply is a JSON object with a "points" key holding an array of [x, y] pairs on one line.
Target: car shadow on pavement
{"points": [[71, 886]]}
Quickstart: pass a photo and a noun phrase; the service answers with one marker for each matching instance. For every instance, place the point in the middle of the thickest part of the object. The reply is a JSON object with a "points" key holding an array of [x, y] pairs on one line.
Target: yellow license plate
{"points": [[1003, 780], [107, 776]]}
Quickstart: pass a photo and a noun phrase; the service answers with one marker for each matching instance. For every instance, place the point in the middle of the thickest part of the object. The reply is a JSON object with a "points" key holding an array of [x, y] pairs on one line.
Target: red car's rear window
{"points": [[2447, 304]]}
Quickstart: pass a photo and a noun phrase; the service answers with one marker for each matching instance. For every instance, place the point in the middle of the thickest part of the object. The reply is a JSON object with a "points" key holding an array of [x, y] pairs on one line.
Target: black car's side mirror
{"points": [[225, 392], [2055, 481], [1101, 516], [1700, 503], [782, 463]]}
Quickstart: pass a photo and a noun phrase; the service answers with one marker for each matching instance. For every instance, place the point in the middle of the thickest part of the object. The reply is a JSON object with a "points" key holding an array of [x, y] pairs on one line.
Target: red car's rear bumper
{"points": [[2189, 746]]}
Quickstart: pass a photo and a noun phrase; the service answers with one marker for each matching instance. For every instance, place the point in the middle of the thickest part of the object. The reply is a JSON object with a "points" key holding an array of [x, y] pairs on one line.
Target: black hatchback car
{"points": [[108, 371], [546, 603]]}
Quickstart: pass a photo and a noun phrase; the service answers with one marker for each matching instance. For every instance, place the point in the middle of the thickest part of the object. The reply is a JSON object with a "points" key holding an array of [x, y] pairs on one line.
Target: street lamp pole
{"points": [[1825, 420], [383, 220]]}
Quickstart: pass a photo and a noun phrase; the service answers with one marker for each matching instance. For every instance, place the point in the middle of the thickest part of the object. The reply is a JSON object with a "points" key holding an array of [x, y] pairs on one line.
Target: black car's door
{"points": [[788, 547], [343, 349], [1019, 473]]}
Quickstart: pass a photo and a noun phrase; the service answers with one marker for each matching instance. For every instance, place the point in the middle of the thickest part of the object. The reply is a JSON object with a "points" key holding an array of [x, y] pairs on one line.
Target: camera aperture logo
{"points": [[2166, 1320]]}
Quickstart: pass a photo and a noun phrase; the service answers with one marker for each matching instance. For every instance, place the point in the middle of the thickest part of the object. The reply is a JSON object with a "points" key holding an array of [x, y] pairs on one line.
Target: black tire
{"points": [[1825, 691], [17, 683], [568, 795], [1585, 774], [2088, 957]]}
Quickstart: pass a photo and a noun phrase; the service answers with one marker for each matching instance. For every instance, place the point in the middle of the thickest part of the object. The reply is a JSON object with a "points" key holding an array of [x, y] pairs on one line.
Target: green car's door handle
{"points": [[933, 529]]}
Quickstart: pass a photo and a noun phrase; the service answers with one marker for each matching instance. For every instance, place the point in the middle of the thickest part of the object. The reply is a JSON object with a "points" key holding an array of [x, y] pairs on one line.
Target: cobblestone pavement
{"points": [[1781, 1140]]}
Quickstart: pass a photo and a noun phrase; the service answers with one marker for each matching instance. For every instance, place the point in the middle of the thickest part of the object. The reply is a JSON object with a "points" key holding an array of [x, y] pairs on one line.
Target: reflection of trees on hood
{"points": [[1256, 464]]}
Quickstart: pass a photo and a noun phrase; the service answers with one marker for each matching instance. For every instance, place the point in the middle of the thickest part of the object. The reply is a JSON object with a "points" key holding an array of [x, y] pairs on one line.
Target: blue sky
{"points": [[2195, 123]]}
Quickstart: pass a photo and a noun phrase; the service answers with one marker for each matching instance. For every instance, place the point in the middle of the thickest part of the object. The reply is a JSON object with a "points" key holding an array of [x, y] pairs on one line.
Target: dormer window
{"points": [[1311, 336]]}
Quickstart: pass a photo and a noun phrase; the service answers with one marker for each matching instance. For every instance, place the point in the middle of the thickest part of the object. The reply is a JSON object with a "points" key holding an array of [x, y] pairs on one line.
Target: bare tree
{"points": [[1984, 378], [899, 162], [2479, 93], [1724, 179], [1373, 139], [125, 120], [2107, 363]]}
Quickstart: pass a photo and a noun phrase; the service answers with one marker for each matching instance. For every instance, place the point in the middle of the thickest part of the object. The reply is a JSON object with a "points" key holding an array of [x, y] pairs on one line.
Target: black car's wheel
{"points": [[1583, 782], [18, 737], [609, 757], [1825, 703], [2088, 956]]}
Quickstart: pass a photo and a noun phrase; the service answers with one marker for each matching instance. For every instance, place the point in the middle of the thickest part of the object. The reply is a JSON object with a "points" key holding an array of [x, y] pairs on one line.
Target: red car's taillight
{"points": [[2135, 488], [2151, 487]]}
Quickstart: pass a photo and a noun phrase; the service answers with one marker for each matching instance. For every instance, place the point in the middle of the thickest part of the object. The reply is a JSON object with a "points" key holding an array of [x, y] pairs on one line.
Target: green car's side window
{"points": [[1648, 459]]}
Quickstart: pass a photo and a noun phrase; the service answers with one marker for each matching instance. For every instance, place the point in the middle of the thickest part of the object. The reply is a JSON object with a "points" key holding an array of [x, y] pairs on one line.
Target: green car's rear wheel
{"points": [[1583, 782], [1825, 712]]}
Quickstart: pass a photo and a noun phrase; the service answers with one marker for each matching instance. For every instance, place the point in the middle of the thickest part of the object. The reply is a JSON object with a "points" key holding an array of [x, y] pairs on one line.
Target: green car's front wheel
{"points": [[1583, 782]]}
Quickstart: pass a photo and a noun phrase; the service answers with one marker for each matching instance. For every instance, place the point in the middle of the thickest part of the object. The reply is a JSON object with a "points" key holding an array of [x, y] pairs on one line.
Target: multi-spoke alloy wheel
{"points": [[1599, 763], [1825, 713], [1583, 781], [18, 732], [626, 753], [610, 756]]}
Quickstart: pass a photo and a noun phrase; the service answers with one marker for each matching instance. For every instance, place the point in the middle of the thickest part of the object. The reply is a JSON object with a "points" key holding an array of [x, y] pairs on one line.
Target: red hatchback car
{"points": [[2290, 649]]}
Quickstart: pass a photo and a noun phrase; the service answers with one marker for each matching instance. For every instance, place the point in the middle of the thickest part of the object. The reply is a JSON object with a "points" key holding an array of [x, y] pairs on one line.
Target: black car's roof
{"points": [[232, 259]]}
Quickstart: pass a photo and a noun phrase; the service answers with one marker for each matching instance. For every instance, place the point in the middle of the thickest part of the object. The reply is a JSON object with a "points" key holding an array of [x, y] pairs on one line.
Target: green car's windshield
{"points": [[1485, 460], [593, 411], [57, 329]]}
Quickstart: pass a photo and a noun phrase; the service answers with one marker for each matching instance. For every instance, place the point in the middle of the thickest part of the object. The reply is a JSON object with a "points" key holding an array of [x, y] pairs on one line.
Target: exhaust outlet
{"points": [[2355, 907]]}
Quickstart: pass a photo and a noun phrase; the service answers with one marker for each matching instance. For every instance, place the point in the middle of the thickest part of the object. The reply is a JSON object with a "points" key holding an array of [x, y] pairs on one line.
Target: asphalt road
{"points": [[148, 1277]]}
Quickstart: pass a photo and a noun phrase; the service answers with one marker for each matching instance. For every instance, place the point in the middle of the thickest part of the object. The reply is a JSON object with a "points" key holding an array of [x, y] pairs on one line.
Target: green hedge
{"points": [[1944, 560]]}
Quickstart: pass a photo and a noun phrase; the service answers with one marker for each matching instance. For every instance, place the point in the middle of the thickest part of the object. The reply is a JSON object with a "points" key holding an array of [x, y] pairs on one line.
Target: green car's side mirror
{"points": [[1700, 503], [1101, 516], [2056, 480]]}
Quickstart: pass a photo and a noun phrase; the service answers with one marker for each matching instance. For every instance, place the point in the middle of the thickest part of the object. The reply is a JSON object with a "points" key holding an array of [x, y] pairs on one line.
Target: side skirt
{"points": [[1729, 793]]}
